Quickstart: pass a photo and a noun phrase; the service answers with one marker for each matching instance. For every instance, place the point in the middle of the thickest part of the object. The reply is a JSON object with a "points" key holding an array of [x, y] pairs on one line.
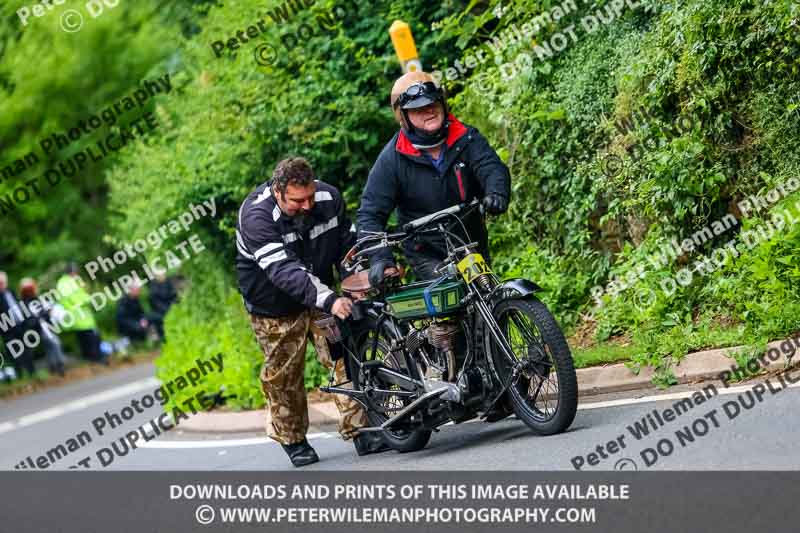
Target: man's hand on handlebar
{"points": [[376, 271], [342, 307], [495, 204]]}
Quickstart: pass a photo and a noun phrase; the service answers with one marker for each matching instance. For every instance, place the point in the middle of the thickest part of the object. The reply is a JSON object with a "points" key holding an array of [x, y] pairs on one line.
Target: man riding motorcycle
{"points": [[432, 163]]}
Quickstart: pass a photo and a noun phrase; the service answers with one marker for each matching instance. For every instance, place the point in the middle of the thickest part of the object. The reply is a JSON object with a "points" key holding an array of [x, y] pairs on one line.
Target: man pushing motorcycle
{"points": [[291, 233], [432, 163]]}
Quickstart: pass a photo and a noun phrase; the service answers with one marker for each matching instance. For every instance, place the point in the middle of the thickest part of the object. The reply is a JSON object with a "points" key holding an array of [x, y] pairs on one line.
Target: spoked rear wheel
{"points": [[544, 389], [400, 439]]}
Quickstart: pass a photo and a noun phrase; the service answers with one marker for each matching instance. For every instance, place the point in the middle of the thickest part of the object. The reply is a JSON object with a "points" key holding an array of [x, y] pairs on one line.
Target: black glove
{"points": [[376, 271], [495, 204]]}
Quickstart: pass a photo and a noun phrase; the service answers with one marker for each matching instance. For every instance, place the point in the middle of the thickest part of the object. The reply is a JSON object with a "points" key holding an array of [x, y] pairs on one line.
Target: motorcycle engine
{"points": [[436, 343], [441, 349]]}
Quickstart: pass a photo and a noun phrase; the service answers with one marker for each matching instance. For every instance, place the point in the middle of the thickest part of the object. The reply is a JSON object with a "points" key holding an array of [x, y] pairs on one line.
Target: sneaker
{"points": [[121, 346], [367, 443], [11, 374], [300, 453], [106, 348]]}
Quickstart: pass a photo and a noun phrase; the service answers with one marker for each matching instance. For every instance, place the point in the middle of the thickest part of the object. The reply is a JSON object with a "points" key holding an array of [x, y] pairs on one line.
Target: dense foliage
{"points": [[634, 133], [698, 101]]}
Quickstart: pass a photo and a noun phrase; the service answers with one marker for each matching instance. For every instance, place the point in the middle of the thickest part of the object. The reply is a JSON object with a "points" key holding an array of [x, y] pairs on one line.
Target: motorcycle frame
{"points": [[376, 319]]}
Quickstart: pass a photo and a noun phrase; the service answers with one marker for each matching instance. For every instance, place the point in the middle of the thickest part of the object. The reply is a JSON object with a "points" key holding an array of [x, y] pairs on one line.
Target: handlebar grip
{"points": [[414, 224]]}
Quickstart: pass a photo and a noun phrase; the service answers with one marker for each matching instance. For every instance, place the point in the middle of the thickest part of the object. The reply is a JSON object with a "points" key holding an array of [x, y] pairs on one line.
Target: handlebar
{"points": [[409, 229], [414, 224]]}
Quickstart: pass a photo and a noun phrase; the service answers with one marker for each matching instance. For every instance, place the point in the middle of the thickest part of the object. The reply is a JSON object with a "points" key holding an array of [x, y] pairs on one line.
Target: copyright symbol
{"points": [[204, 515], [482, 82], [611, 165], [68, 23], [265, 54], [644, 298], [625, 464]]}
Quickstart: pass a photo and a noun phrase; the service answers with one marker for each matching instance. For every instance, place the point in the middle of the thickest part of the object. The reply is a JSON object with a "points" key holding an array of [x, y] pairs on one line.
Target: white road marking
{"points": [[182, 444], [147, 383], [77, 405], [671, 396], [179, 444], [593, 405]]}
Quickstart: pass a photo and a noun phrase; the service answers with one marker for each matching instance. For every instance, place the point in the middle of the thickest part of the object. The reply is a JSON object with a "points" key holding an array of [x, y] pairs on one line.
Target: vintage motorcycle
{"points": [[450, 349]]}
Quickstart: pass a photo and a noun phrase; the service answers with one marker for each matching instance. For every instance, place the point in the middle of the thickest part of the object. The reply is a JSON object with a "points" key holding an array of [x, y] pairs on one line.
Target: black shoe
{"points": [[301, 453], [367, 443]]}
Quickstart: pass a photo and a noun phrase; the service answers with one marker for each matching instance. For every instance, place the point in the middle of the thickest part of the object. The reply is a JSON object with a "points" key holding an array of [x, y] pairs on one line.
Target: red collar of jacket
{"points": [[455, 131]]}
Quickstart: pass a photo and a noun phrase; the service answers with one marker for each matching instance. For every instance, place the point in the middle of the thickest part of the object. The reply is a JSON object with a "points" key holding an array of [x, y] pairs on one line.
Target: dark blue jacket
{"points": [[404, 178]]}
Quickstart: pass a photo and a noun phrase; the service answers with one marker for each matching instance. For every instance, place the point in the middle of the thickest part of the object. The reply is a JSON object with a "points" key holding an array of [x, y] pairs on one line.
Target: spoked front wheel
{"points": [[543, 386]]}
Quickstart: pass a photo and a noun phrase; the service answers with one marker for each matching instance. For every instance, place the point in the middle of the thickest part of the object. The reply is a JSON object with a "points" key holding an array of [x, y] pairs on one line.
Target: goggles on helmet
{"points": [[419, 95]]}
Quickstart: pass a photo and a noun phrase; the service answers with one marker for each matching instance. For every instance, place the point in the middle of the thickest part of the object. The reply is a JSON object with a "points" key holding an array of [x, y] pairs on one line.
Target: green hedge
{"points": [[728, 66]]}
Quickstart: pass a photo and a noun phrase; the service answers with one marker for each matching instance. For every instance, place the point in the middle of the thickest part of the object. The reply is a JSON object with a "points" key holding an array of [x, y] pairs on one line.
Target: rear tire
{"points": [[400, 440], [541, 345]]}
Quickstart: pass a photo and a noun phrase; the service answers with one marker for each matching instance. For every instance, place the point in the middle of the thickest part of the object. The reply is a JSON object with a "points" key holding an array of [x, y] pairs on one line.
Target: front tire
{"points": [[544, 394]]}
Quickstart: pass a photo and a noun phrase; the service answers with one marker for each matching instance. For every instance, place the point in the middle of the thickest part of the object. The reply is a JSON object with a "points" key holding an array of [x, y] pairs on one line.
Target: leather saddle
{"points": [[357, 285]]}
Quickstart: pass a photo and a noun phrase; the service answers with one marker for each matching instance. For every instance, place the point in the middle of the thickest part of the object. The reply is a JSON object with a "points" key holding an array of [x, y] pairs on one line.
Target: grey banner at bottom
{"points": [[621, 502]]}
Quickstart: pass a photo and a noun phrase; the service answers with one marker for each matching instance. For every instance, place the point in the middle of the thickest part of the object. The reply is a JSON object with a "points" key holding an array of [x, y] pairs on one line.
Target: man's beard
{"points": [[302, 222]]}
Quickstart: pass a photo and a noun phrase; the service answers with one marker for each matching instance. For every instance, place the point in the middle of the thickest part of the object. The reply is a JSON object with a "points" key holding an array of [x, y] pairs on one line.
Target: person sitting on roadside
{"points": [[12, 320], [131, 319], [40, 322]]}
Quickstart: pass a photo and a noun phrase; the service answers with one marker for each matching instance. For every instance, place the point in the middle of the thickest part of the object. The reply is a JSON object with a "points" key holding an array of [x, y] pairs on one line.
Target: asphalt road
{"points": [[712, 435]]}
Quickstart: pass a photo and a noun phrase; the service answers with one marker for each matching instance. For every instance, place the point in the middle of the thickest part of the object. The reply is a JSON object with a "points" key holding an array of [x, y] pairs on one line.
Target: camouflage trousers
{"points": [[283, 341]]}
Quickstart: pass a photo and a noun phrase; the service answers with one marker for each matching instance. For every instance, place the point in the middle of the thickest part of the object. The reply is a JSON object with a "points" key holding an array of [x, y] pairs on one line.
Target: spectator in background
{"points": [[76, 302], [162, 296], [131, 320], [40, 322], [12, 328]]}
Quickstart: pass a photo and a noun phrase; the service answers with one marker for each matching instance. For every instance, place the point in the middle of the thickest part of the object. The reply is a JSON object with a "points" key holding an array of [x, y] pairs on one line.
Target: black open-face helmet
{"points": [[414, 90]]}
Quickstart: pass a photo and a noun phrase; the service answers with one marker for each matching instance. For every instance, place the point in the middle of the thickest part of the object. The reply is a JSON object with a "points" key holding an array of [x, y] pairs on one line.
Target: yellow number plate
{"points": [[473, 266]]}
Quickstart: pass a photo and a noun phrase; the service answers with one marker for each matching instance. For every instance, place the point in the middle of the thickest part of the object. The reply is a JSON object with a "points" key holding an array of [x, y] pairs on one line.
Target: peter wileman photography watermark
{"points": [[671, 249], [512, 35], [154, 239], [555, 43], [612, 164], [53, 144], [326, 22], [654, 421], [71, 19], [171, 259], [145, 432], [266, 53]]}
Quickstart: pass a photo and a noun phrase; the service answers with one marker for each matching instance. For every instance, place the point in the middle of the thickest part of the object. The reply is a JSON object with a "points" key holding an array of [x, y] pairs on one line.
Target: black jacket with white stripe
{"points": [[281, 272]]}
